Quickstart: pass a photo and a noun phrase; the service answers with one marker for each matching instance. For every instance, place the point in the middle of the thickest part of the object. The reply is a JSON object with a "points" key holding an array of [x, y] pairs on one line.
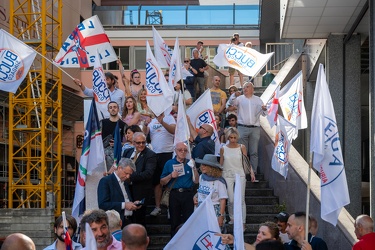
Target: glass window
{"points": [[123, 53], [140, 57]]}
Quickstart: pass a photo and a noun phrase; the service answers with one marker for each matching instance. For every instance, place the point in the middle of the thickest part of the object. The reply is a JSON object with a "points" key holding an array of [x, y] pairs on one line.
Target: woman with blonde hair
{"points": [[146, 113], [231, 160]]}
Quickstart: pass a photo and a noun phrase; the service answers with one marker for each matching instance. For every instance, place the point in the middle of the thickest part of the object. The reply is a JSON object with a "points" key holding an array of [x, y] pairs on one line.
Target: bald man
{"points": [[364, 227], [18, 241], [134, 237], [202, 139]]}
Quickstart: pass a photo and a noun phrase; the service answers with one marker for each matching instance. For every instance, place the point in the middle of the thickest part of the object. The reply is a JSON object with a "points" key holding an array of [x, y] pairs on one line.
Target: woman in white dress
{"points": [[231, 160]]}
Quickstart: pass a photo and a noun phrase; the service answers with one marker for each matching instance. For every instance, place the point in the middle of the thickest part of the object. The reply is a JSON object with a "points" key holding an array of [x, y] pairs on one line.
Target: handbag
{"points": [[165, 197], [245, 163]]}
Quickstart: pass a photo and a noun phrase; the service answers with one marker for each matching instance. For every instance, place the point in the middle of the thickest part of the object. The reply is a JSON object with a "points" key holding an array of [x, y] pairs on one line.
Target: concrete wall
{"points": [[34, 222], [293, 191]]}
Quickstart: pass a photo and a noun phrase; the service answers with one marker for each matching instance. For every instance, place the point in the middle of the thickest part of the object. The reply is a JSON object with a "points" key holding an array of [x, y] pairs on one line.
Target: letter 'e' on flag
{"points": [[15, 60], [325, 144]]}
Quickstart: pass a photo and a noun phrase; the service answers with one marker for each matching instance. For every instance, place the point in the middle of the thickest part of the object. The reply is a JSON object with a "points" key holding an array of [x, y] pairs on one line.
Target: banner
{"points": [[292, 105], [92, 157], [200, 112], [325, 144], [80, 48], [159, 95], [239, 243], [175, 66], [15, 61], [273, 108], [247, 60], [198, 232], [163, 53], [100, 89], [283, 142]]}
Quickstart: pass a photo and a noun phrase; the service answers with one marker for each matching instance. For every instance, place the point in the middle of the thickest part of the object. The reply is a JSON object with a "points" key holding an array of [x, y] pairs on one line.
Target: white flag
{"points": [[238, 220], [175, 66], [283, 142], [90, 238], [325, 143], [15, 60], [182, 133], [100, 89], [159, 95], [163, 53], [198, 232], [201, 112], [80, 48], [292, 105], [247, 60], [273, 108]]}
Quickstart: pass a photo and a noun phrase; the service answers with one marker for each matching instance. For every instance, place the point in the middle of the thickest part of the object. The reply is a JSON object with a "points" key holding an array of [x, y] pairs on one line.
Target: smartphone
{"points": [[141, 202]]}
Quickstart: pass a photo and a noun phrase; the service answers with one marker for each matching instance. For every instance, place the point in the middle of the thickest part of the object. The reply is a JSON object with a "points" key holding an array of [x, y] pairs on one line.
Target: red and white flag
{"points": [[100, 89], [15, 60], [163, 53], [247, 60], [292, 105], [175, 66], [273, 108], [201, 112], [325, 143], [159, 95], [283, 142], [80, 48]]}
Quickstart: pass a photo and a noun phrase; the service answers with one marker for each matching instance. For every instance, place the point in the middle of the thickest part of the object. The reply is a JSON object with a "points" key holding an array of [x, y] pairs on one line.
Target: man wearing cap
{"points": [[249, 109], [180, 174], [115, 94], [202, 139], [281, 221]]}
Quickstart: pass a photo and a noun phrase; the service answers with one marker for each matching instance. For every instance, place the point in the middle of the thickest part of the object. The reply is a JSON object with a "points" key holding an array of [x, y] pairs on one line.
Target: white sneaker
{"points": [[156, 211]]}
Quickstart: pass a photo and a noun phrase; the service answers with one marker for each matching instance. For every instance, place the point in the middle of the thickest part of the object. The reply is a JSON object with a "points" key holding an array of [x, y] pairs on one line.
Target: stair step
{"points": [[159, 239], [259, 192], [254, 200], [260, 218]]}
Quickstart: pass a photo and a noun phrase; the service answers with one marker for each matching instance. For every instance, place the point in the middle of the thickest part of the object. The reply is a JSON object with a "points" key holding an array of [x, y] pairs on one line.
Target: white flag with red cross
{"points": [[79, 49]]}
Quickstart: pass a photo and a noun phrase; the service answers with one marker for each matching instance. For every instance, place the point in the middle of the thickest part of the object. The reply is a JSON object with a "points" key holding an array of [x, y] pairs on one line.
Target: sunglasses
{"points": [[140, 142], [203, 128], [186, 61], [182, 150]]}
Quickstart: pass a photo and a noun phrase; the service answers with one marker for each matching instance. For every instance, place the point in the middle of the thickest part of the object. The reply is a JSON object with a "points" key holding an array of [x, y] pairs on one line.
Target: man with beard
{"points": [[115, 94], [98, 221], [59, 243]]}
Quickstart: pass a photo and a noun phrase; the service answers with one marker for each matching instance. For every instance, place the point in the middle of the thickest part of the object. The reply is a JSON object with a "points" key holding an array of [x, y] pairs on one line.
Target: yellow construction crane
{"points": [[35, 110]]}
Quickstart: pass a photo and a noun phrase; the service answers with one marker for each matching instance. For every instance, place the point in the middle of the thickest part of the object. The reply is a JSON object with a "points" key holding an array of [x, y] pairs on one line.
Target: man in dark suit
{"points": [[141, 179], [114, 192]]}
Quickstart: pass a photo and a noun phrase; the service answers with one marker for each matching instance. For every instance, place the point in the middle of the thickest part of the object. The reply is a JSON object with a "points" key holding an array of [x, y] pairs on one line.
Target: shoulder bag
{"points": [[245, 162], [165, 197]]}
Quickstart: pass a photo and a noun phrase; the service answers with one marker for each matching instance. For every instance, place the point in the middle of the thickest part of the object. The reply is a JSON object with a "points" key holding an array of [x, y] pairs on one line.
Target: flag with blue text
{"points": [[247, 60], [202, 111], [292, 104], [92, 157], [100, 89], [328, 160], [198, 232], [159, 95], [163, 53], [283, 143], [16, 59], [79, 49]]}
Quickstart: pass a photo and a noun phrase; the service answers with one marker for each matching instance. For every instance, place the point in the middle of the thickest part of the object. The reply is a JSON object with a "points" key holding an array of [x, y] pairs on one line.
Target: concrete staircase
{"points": [[261, 205]]}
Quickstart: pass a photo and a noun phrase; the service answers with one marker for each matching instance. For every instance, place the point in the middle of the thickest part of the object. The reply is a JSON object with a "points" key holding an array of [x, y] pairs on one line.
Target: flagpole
{"points": [[308, 198]]}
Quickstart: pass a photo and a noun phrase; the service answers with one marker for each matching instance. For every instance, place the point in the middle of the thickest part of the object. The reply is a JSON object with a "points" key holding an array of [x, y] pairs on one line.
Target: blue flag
{"points": [[92, 157], [117, 147]]}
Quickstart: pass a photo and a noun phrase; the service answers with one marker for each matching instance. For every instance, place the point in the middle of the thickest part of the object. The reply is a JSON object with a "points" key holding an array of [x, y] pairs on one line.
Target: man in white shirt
{"points": [[249, 109]]}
